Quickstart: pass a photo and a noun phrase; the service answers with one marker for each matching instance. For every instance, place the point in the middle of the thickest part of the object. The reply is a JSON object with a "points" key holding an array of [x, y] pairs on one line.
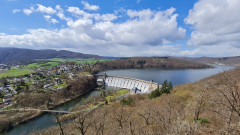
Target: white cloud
{"points": [[144, 14], [54, 21], [15, 11], [213, 50], [27, 11], [90, 7], [82, 14], [215, 22], [146, 32], [50, 19], [216, 28], [47, 10], [47, 17]]}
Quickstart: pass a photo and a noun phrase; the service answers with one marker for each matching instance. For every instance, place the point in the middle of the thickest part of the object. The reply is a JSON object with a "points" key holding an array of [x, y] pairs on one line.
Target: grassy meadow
{"points": [[43, 65], [15, 73], [81, 61], [57, 61]]}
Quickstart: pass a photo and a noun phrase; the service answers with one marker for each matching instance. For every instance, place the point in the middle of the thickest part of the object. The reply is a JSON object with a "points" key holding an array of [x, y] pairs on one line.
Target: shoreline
{"points": [[39, 113]]}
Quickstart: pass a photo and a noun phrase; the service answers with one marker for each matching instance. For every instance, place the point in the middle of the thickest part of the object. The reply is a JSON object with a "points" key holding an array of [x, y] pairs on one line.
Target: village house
{"points": [[4, 67], [4, 90], [7, 97], [48, 85]]}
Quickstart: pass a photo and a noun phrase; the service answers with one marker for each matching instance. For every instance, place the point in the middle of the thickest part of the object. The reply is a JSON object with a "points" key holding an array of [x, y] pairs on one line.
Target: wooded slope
{"points": [[147, 62], [209, 106], [16, 55]]}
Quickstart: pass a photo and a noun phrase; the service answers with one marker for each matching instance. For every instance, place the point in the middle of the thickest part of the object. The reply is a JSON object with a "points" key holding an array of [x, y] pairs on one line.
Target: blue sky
{"points": [[123, 27]]}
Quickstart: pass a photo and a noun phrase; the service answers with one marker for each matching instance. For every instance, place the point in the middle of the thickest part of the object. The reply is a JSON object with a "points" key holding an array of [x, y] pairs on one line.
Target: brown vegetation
{"points": [[10, 118], [50, 99], [209, 106], [144, 62], [44, 100]]}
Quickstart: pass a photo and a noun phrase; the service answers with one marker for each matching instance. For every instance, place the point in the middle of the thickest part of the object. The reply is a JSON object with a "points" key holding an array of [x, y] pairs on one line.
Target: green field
{"points": [[117, 94], [15, 73], [43, 65], [81, 61], [33, 65]]}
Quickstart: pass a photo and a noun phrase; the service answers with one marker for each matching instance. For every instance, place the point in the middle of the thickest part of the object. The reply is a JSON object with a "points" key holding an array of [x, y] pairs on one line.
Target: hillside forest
{"points": [[146, 62], [209, 106]]}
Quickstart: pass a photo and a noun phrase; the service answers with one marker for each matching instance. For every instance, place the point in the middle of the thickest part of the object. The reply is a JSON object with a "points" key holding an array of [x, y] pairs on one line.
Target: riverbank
{"points": [[104, 98], [29, 115], [10, 120]]}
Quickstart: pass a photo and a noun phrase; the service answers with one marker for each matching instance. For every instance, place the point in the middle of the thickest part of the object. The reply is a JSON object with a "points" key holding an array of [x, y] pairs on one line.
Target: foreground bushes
{"points": [[166, 88]]}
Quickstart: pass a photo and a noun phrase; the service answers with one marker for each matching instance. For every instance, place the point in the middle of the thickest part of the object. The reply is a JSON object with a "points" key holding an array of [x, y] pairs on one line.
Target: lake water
{"points": [[176, 76]]}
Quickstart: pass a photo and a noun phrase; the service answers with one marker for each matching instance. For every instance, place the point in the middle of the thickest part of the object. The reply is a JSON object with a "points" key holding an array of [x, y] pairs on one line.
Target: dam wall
{"points": [[133, 84]]}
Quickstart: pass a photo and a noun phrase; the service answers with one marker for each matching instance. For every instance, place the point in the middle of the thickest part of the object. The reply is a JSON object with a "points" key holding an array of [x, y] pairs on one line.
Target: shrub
{"points": [[155, 93], [106, 102], [203, 120], [127, 101]]}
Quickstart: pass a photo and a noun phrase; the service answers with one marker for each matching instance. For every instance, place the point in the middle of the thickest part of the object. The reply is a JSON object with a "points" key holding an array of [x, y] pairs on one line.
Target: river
{"points": [[176, 76]]}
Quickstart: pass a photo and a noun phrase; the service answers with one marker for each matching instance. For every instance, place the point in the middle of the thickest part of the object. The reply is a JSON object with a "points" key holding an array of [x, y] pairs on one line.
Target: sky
{"points": [[123, 28]]}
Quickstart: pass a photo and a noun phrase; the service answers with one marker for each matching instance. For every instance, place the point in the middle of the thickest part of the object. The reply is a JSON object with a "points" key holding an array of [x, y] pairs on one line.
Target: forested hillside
{"points": [[146, 62], [16, 55], [209, 106]]}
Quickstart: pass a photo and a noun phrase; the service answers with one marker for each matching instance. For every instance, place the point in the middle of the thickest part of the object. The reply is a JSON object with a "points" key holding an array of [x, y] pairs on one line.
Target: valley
{"points": [[76, 71]]}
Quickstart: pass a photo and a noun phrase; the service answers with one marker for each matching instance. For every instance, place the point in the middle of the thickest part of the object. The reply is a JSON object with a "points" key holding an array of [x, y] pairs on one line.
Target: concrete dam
{"points": [[133, 84]]}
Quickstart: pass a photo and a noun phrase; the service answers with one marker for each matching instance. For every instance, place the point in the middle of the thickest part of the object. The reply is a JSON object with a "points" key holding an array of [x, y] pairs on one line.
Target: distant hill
{"points": [[113, 58], [17, 55], [235, 61], [146, 62]]}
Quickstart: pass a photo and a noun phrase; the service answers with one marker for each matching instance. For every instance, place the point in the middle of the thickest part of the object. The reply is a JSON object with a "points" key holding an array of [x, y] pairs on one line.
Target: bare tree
{"points": [[121, 116], [83, 121], [225, 99], [200, 102], [59, 123], [99, 122], [131, 128], [145, 114]]}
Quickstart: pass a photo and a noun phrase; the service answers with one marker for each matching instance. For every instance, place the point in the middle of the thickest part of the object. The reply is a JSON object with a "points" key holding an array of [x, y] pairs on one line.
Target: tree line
{"points": [[144, 62]]}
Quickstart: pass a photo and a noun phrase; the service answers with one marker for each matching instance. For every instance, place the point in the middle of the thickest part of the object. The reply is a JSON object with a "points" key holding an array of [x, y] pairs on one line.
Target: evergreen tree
{"points": [[5, 83], [22, 83], [18, 89], [155, 93], [164, 87], [106, 102], [1, 95], [170, 86]]}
